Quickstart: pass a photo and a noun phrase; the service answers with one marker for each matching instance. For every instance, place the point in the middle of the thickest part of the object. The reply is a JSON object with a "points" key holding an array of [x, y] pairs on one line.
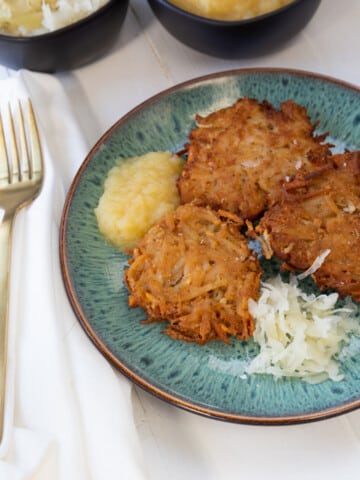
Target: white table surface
{"points": [[175, 443]]}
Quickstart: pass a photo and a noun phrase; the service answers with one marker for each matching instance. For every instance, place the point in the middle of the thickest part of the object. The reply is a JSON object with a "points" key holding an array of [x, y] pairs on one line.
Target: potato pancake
{"points": [[194, 269], [320, 211], [238, 157]]}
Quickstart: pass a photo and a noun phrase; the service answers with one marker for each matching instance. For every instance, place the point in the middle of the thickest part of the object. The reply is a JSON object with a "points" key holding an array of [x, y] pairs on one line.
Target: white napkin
{"points": [[68, 413]]}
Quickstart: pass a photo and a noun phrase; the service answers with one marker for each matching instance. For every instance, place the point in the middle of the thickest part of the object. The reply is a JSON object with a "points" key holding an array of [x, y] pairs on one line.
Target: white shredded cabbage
{"points": [[68, 11], [299, 334], [29, 17]]}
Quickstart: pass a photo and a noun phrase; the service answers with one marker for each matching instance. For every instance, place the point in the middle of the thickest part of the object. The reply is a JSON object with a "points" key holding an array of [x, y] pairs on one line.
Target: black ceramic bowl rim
{"points": [[63, 30], [231, 23]]}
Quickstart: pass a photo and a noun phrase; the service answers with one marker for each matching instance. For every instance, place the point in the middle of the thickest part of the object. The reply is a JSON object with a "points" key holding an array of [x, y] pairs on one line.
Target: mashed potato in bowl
{"points": [[32, 17], [230, 9]]}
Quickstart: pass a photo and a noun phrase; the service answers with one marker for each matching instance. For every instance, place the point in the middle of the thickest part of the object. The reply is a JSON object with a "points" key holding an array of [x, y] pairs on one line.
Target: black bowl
{"points": [[70, 47], [234, 39]]}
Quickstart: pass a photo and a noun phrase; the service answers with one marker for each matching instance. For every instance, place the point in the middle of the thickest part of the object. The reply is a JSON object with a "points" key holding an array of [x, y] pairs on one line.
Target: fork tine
{"points": [[4, 160], [36, 167], [24, 165], [15, 165]]}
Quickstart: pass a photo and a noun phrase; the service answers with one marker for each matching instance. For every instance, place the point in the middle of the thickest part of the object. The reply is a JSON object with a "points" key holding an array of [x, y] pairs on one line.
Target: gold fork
{"points": [[21, 178]]}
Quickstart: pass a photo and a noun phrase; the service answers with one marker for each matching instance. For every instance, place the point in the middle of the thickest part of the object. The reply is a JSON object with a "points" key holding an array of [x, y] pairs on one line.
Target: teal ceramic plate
{"points": [[210, 379]]}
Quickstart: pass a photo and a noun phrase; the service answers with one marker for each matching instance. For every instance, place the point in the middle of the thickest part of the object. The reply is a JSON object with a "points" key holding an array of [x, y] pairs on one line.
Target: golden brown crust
{"points": [[321, 211], [194, 269], [239, 156]]}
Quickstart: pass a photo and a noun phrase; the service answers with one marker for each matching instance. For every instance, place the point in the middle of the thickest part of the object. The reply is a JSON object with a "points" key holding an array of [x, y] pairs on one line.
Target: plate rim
{"points": [[138, 380]]}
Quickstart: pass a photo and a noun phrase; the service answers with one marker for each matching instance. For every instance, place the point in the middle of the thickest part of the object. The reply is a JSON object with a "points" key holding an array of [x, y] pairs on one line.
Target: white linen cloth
{"points": [[62, 394]]}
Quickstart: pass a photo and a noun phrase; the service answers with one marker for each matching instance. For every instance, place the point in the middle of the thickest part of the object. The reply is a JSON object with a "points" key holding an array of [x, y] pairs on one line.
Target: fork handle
{"points": [[5, 257]]}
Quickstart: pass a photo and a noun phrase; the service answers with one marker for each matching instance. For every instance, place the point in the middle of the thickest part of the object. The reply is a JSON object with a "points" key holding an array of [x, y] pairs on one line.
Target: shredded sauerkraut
{"points": [[29, 17], [300, 334]]}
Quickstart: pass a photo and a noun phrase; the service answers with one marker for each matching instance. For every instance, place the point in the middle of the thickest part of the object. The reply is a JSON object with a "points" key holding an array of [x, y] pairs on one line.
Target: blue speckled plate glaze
{"points": [[209, 379]]}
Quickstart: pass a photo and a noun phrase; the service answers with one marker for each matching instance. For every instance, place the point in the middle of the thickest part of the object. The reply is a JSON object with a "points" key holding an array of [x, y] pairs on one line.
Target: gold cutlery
{"points": [[21, 178]]}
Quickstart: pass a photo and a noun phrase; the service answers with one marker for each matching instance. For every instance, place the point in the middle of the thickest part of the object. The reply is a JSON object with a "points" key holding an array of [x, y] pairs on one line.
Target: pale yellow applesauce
{"points": [[229, 9], [137, 192]]}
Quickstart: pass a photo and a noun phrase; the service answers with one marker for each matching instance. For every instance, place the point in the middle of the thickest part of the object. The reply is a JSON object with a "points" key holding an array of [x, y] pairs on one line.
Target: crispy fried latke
{"points": [[195, 270], [320, 211], [239, 156]]}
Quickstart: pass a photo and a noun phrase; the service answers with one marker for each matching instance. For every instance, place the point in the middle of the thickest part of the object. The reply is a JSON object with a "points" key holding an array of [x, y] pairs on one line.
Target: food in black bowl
{"points": [[46, 40], [229, 38]]}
